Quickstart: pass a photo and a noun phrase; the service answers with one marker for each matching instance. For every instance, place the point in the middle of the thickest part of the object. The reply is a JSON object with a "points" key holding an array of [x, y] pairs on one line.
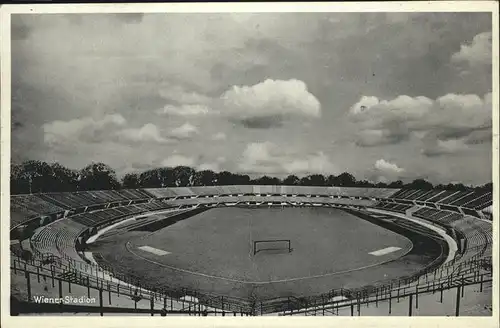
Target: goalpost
{"points": [[272, 245]]}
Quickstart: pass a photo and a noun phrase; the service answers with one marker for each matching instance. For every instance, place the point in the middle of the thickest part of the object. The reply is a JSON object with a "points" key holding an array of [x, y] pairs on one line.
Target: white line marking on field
{"points": [[153, 250], [385, 251]]}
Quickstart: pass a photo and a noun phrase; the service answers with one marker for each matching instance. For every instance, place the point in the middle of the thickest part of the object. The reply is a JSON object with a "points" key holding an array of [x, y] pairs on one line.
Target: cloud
{"points": [[219, 136], [315, 163], [268, 158], [478, 53], [148, 133], [85, 129], [372, 138], [178, 160], [181, 96], [445, 147], [451, 116], [185, 110], [385, 171], [184, 131], [269, 103], [387, 167]]}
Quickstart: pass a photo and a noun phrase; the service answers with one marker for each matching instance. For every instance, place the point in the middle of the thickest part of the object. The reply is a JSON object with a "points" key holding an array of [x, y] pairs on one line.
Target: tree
{"points": [[420, 184], [157, 178], [131, 181], [35, 176], [17, 185], [225, 178], [241, 179], [396, 184], [331, 180], [183, 176], [368, 184], [63, 179], [345, 180], [488, 187], [205, 178], [291, 180], [267, 181], [98, 176], [150, 179], [316, 180]]}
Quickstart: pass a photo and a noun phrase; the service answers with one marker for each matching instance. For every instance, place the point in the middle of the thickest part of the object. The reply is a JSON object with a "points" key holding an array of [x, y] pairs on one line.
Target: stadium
{"points": [[185, 162], [251, 250]]}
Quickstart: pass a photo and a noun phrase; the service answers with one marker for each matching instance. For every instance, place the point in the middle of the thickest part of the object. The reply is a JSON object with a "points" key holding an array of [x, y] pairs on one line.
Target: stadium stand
{"points": [[26, 207], [57, 238]]}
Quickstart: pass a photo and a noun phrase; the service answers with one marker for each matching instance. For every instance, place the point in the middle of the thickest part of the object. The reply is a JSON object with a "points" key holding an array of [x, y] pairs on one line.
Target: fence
{"points": [[411, 294], [111, 298], [90, 277]]}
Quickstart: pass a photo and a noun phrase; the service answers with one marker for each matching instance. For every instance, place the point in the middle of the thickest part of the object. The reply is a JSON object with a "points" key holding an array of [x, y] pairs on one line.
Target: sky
{"points": [[384, 96]]}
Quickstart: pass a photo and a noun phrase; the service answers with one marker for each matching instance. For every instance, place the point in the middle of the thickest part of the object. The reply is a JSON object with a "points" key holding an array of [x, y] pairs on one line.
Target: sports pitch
{"points": [[212, 252]]}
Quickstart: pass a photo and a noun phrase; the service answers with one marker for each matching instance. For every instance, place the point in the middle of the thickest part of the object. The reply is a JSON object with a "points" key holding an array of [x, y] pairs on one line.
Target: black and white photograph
{"points": [[237, 161]]}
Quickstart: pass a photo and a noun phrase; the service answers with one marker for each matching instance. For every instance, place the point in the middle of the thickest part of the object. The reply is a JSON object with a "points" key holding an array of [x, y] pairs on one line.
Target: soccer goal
{"points": [[272, 245]]}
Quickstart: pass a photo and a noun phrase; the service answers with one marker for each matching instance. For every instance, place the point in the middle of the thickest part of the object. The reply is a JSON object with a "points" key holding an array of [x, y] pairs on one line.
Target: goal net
{"points": [[270, 245]]}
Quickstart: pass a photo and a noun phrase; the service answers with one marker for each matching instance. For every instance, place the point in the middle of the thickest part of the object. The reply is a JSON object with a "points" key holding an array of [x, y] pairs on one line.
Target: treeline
{"points": [[37, 177]]}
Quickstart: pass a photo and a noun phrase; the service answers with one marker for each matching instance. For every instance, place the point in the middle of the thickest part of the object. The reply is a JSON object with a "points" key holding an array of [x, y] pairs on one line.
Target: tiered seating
{"points": [[69, 230], [44, 240], [439, 196], [58, 238], [429, 194], [33, 205], [133, 194], [458, 195], [480, 202], [25, 207], [99, 217], [162, 192], [364, 192], [403, 193], [69, 200], [450, 218], [478, 235], [205, 191], [464, 200], [395, 207], [417, 194]]}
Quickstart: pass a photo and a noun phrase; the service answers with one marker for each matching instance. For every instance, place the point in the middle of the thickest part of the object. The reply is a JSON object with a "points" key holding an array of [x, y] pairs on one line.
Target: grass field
{"points": [[212, 252]]}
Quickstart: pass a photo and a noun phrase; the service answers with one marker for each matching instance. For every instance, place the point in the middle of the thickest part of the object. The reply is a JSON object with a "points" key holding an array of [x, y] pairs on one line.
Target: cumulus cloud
{"points": [[269, 103], [178, 160], [385, 171], [268, 158], [479, 52], [184, 131], [87, 129], [387, 167], [451, 116], [148, 133]]}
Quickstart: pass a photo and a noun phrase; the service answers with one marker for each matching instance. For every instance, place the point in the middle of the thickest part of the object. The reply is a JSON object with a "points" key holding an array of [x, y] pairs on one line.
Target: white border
{"points": [[444, 6]]}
